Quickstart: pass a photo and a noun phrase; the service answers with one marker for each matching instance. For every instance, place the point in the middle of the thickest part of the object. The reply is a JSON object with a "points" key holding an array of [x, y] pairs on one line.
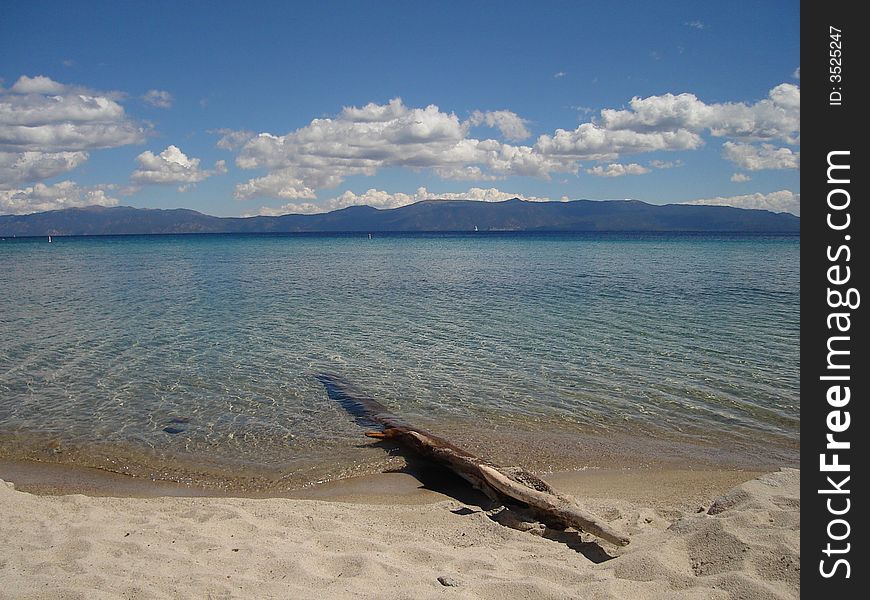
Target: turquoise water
{"points": [[195, 356]]}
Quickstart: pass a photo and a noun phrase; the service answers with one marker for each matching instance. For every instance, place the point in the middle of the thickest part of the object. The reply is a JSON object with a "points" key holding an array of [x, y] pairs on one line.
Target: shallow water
{"points": [[198, 354]]}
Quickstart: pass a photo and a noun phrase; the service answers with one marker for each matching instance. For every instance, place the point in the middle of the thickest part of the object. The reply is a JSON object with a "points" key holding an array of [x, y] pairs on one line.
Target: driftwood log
{"points": [[507, 485]]}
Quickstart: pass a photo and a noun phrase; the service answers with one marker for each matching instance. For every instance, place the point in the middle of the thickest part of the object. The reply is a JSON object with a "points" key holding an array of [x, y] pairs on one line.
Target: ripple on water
{"points": [[204, 348]]}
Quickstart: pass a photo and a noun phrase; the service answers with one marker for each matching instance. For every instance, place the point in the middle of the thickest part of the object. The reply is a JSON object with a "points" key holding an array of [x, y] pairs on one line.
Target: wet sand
{"points": [[420, 484]]}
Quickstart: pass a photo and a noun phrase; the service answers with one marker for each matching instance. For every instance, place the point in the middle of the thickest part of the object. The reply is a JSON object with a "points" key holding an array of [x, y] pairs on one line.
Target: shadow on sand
{"points": [[439, 479]]}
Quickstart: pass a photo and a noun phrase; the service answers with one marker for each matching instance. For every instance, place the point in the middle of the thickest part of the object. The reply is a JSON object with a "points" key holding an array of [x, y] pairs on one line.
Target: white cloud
{"points": [[591, 142], [740, 178], [485, 195], [277, 184], [48, 128], [617, 170], [559, 74], [473, 173], [361, 141], [158, 98], [41, 115], [797, 73], [382, 199], [375, 113], [172, 166], [781, 201], [756, 158], [294, 208], [364, 140], [233, 139], [775, 117], [37, 85], [665, 164], [511, 125], [66, 194], [26, 167], [582, 109], [696, 24]]}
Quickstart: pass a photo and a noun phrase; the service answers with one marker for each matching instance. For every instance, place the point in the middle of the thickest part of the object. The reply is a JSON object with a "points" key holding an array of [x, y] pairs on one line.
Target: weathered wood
{"points": [[506, 485]]}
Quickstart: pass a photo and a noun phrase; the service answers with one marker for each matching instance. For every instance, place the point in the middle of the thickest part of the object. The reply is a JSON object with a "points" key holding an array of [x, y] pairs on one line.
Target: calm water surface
{"points": [[194, 357]]}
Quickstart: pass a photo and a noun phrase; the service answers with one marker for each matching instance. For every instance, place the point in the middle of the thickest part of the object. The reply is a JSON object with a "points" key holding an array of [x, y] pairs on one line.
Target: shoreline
{"points": [[412, 482], [422, 484], [46, 466]]}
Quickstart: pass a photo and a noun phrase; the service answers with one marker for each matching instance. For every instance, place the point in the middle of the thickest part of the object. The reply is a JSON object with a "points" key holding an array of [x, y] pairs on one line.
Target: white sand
{"points": [[99, 547]]}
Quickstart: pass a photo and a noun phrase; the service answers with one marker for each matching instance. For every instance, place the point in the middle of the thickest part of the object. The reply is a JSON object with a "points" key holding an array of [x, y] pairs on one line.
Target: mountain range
{"points": [[428, 215]]}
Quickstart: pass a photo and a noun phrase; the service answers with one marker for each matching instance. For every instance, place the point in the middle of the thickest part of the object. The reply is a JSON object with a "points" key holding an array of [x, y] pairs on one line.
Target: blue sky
{"points": [[272, 107]]}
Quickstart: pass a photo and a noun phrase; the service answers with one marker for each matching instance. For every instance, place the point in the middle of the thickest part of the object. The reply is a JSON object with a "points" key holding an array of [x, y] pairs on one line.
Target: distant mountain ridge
{"points": [[428, 215]]}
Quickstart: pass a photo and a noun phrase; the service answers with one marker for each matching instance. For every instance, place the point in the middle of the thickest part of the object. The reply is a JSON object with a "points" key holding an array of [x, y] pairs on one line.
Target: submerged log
{"points": [[507, 485]]}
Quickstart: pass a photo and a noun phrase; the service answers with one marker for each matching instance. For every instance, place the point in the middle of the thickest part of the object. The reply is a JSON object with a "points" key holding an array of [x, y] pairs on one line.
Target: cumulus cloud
{"points": [[775, 117], [617, 170], [37, 85], [232, 139], [278, 184], [363, 140], [797, 73], [473, 173], [375, 113], [66, 194], [740, 178], [677, 122], [592, 142], [382, 199], [366, 139], [511, 125], [756, 158], [42, 123], [158, 98], [559, 74], [48, 128], [781, 201], [26, 167], [293, 208], [172, 166]]}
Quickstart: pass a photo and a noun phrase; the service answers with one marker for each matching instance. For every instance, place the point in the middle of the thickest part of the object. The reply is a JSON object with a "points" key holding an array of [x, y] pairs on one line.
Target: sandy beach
{"points": [[695, 534]]}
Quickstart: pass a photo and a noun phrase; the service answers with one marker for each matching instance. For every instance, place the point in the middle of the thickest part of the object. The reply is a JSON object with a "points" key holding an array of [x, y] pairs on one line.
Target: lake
{"points": [[194, 357]]}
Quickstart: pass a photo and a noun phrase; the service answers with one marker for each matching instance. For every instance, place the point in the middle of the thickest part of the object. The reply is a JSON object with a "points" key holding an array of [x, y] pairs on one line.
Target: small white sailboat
{"points": [[475, 228], [49, 239]]}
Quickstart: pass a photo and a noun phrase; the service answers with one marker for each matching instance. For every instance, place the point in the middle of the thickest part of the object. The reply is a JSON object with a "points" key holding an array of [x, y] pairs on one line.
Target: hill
{"points": [[429, 215]]}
